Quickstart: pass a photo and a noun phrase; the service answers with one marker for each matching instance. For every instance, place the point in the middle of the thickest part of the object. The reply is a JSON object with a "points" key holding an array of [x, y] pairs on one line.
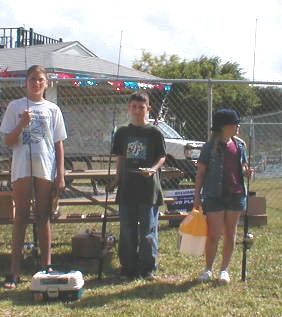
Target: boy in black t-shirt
{"points": [[140, 151]]}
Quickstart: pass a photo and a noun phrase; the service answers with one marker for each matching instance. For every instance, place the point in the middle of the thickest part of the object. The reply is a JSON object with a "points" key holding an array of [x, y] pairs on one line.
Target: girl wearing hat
{"points": [[221, 168]]}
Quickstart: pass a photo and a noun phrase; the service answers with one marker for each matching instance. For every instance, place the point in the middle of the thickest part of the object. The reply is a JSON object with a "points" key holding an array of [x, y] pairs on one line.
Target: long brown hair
{"points": [[215, 138]]}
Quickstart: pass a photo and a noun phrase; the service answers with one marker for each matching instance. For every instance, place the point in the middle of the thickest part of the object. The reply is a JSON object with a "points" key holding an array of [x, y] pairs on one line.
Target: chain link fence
{"points": [[182, 109]]}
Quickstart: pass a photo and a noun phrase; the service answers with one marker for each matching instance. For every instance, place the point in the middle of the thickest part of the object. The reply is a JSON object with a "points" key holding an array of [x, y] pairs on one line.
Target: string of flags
{"points": [[118, 85], [122, 85], [84, 81]]}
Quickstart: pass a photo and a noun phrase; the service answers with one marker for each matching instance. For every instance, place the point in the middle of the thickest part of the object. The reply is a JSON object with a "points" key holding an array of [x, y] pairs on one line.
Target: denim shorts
{"points": [[235, 202]]}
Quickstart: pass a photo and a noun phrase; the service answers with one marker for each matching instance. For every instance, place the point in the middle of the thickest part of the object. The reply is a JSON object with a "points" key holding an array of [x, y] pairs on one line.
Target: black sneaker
{"points": [[149, 276]]}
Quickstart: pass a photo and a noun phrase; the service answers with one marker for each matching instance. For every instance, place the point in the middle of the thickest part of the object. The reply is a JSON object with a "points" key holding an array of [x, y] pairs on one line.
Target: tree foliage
{"points": [[172, 66], [270, 99], [188, 103]]}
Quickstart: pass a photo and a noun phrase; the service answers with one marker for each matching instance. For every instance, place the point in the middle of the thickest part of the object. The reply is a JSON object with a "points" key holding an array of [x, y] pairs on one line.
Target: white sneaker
{"points": [[224, 278], [205, 276]]}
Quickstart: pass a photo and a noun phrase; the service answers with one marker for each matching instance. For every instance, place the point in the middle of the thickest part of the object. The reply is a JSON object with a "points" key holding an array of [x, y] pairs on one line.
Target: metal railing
{"points": [[19, 37]]}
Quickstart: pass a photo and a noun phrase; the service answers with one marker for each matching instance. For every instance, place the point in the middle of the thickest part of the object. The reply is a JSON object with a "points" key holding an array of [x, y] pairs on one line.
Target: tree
{"points": [[172, 66], [187, 103], [271, 99]]}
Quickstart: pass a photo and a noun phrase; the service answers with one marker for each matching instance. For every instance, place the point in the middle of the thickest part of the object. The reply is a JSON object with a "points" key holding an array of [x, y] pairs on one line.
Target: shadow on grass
{"points": [[150, 290], [18, 297], [127, 291], [22, 295], [5, 262]]}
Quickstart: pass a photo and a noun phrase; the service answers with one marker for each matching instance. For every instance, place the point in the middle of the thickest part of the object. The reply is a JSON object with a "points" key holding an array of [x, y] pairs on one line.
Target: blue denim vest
{"points": [[214, 159]]}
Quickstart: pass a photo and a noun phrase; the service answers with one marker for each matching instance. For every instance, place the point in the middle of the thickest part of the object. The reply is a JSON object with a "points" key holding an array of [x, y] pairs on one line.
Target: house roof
{"points": [[68, 57]]}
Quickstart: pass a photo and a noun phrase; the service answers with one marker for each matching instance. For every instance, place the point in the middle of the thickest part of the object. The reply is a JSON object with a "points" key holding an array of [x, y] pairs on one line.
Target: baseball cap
{"points": [[224, 117]]}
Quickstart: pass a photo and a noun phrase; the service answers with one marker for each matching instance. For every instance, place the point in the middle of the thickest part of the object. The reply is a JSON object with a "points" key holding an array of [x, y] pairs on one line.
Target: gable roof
{"points": [[68, 57]]}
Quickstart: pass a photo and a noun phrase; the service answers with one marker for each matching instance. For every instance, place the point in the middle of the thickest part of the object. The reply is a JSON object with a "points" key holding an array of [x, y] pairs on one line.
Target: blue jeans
{"points": [[138, 240]]}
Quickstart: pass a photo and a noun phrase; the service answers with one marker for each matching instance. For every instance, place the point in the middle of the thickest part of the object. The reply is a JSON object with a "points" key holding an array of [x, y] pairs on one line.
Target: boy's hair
{"points": [[139, 96]]}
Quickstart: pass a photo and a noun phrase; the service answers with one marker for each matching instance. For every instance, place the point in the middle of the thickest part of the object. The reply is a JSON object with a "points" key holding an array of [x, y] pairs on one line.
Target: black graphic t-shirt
{"points": [[141, 147]]}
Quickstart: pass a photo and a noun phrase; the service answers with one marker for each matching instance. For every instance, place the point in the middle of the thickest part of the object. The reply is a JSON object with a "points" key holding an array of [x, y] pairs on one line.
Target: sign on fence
{"points": [[184, 199]]}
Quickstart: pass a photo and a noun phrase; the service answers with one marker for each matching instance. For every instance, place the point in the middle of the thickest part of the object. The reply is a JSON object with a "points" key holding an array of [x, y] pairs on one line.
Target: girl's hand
{"points": [[60, 184], [26, 118], [249, 172], [197, 203]]}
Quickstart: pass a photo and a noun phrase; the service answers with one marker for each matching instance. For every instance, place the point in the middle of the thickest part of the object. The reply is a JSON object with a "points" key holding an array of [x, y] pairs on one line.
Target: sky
{"points": [[190, 29]]}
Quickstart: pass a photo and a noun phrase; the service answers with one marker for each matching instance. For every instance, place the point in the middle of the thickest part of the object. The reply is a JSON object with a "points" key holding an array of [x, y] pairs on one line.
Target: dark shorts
{"points": [[224, 203]]}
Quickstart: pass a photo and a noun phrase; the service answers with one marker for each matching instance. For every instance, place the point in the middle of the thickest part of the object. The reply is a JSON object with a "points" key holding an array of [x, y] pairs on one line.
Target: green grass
{"points": [[176, 292]]}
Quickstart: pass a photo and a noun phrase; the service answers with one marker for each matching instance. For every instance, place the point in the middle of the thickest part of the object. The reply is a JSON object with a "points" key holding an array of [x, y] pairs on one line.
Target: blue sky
{"points": [[187, 28]]}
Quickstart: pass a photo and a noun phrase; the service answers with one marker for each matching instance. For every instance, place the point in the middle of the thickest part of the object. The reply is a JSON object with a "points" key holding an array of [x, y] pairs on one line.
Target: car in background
{"points": [[181, 153]]}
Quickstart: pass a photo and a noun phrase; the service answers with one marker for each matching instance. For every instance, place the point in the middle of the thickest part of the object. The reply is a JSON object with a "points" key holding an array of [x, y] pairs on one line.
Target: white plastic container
{"points": [[192, 245], [57, 285], [193, 232]]}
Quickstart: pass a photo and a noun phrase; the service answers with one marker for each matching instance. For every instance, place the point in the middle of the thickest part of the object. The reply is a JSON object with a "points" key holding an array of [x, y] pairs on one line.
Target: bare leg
{"points": [[215, 222], [230, 228], [43, 190], [22, 196]]}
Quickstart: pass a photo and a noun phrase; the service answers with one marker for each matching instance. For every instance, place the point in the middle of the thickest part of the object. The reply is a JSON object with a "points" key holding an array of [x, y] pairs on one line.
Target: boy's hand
{"points": [[147, 172], [26, 118]]}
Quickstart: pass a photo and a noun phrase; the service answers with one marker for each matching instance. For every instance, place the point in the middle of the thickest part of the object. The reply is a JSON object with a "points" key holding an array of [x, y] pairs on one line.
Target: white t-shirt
{"points": [[46, 128]]}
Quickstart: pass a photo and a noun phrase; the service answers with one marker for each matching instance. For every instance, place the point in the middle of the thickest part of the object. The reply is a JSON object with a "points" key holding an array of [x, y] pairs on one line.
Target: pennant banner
{"points": [[86, 81]]}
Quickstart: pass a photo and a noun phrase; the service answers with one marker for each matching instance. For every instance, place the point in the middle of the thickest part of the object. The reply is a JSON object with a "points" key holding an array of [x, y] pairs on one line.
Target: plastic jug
{"points": [[193, 232]]}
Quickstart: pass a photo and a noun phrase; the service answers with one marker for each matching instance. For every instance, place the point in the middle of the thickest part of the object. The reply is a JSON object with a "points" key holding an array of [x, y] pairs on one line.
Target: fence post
{"points": [[19, 42], [209, 123], [31, 40]]}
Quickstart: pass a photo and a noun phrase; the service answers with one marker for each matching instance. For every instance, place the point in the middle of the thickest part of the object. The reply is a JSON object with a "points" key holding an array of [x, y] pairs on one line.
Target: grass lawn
{"points": [[176, 292]]}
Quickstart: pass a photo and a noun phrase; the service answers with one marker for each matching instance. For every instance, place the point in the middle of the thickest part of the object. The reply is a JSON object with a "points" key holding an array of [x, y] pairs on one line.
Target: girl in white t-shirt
{"points": [[35, 130]]}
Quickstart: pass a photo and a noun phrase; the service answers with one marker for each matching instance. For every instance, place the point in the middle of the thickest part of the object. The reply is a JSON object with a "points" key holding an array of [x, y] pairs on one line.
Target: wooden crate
{"points": [[257, 205], [256, 212]]}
